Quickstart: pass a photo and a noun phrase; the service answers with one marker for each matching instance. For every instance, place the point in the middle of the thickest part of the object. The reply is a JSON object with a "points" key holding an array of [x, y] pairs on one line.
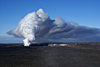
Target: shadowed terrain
{"points": [[81, 55]]}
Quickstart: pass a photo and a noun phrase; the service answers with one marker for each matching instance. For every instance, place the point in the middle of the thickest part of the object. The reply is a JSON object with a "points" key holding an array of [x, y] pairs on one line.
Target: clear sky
{"points": [[84, 12]]}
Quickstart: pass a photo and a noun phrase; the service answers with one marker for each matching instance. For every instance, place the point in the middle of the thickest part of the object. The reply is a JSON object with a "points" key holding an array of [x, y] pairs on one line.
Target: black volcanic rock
{"points": [[40, 56]]}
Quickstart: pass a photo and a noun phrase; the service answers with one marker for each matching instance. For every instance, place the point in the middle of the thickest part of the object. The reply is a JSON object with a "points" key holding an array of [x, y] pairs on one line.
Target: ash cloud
{"points": [[39, 27]]}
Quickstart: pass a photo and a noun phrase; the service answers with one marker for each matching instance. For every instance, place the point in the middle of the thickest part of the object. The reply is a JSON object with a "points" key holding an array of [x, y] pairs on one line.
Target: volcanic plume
{"points": [[38, 26]]}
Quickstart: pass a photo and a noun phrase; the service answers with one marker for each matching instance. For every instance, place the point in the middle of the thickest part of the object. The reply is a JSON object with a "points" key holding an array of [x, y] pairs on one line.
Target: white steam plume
{"points": [[37, 26], [29, 26]]}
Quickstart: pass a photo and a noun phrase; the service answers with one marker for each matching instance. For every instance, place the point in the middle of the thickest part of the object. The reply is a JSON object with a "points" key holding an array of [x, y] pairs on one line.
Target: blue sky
{"points": [[84, 12]]}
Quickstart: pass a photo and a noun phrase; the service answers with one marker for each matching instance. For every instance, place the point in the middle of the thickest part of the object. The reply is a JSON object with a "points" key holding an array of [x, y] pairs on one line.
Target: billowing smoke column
{"points": [[37, 26], [29, 26]]}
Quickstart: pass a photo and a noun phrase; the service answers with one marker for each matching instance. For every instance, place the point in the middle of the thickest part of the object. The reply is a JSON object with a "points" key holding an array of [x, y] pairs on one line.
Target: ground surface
{"points": [[44, 56]]}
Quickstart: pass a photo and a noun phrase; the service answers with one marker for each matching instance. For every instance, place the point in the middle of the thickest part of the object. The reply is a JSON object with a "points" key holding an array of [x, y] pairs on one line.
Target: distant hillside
{"points": [[85, 43]]}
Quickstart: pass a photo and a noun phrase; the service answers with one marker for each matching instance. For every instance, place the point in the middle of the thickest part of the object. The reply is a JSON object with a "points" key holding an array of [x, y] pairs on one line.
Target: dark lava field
{"points": [[81, 55]]}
